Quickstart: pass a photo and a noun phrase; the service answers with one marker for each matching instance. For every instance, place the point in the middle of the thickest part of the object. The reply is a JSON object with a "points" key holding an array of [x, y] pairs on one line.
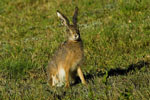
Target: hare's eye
{"points": [[76, 36]]}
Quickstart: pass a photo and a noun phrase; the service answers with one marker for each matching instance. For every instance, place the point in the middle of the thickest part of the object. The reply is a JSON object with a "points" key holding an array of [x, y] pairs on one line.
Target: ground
{"points": [[116, 37]]}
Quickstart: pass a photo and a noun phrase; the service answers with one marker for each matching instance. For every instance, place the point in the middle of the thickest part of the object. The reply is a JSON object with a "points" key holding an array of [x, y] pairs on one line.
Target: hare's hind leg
{"points": [[81, 75], [52, 79], [55, 80]]}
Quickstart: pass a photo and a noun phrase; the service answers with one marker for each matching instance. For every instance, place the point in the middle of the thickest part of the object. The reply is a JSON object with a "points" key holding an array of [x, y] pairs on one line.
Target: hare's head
{"points": [[73, 31]]}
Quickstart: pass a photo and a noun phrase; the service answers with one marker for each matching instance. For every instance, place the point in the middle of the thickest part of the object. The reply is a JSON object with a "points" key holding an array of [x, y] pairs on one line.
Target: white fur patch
{"points": [[59, 79], [61, 74]]}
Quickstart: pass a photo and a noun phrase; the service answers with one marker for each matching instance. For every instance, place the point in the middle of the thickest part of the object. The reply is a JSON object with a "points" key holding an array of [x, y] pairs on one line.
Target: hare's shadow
{"points": [[130, 68], [115, 72]]}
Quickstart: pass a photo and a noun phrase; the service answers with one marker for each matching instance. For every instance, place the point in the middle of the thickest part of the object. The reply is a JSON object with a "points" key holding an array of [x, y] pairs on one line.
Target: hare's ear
{"points": [[74, 19], [63, 18]]}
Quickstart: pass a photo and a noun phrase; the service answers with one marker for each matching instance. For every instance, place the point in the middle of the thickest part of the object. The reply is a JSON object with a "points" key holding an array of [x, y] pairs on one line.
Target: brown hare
{"points": [[65, 62]]}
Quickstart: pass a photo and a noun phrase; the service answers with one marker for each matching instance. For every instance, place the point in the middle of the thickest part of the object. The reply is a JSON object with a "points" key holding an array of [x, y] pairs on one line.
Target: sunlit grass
{"points": [[116, 36]]}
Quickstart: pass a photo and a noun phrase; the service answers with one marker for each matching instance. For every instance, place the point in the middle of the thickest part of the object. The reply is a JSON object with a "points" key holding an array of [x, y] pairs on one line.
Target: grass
{"points": [[116, 36]]}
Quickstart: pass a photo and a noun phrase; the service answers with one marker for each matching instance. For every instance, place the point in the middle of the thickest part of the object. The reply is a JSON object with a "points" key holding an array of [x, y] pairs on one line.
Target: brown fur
{"points": [[68, 56]]}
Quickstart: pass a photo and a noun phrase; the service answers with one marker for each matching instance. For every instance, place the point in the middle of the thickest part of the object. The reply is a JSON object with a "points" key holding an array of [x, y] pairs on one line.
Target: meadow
{"points": [[116, 37]]}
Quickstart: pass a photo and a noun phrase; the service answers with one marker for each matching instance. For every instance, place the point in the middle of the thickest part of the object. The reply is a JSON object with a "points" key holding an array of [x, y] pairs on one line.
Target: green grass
{"points": [[116, 36]]}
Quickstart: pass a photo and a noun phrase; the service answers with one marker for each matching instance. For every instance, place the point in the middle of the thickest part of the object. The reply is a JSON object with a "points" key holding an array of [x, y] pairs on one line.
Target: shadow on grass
{"points": [[111, 72], [115, 72], [132, 67]]}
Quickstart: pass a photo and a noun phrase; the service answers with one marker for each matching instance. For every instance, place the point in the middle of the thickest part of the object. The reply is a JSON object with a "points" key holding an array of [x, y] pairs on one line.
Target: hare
{"points": [[65, 62]]}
